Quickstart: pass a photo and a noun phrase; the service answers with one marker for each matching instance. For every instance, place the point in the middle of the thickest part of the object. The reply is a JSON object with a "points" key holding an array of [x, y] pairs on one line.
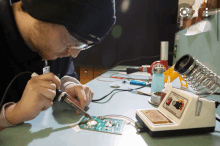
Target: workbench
{"points": [[54, 127]]}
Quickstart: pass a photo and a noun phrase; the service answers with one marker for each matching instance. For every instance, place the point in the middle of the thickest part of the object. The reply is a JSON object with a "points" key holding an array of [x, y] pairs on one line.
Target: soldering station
{"points": [[183, 111], [179, 111]]}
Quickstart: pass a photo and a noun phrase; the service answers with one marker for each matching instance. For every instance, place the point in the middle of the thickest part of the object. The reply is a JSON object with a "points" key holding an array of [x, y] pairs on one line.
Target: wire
{"points": [[116, 90], [110, 93], [127, 118], [216, 93], [128, 77], [117, 78], [6, 91], [108, 99], [171, 53], [98, 78], [120, 116]]}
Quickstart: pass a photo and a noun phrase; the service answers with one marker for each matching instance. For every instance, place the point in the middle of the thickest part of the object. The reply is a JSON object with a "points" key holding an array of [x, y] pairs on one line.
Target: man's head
{"points": [[58, 25]]}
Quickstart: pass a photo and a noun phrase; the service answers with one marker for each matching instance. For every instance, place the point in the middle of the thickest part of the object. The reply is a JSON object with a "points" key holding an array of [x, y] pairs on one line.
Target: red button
{"points": [[168, 101]]}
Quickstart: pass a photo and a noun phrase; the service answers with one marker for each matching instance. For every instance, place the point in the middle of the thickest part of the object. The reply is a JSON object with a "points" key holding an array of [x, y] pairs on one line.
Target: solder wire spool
{"points": [[199, 77]]}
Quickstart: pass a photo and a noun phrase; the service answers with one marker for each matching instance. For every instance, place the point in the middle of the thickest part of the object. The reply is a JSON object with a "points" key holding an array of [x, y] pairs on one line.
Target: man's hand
{"points": [[83, 92], [38, 96]]}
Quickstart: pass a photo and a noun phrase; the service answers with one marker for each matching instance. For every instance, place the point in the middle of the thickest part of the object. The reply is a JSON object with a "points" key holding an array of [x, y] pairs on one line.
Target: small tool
{"points": [[136, 82], [114, 85]]}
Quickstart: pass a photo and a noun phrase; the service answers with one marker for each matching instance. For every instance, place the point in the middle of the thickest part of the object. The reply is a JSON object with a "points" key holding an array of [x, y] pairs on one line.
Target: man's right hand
{"points": [[38, 96]]}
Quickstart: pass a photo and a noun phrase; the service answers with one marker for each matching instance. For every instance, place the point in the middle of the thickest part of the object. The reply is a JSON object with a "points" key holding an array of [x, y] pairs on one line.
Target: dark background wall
{"points": [[143, 26]]}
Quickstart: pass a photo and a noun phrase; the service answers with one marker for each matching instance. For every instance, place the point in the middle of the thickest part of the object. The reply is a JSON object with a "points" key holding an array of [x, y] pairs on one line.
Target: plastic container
{"points": [[167, 86], [157, 83], [155, 98]]}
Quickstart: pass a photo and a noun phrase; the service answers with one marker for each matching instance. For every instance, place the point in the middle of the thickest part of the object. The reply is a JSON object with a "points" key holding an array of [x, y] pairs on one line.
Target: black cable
{"points": [[218, 119], [108, 99], [110, 93], [6, 91], [171, 53], [216, 93], [117, 90]]}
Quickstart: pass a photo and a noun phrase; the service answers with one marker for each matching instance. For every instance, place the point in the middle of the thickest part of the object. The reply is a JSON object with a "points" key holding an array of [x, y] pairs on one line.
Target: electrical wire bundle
{"points": [[124, 118]]}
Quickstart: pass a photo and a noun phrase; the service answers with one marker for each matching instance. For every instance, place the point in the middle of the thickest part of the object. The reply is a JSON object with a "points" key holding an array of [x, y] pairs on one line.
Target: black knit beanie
{"points": [[88, 19]]}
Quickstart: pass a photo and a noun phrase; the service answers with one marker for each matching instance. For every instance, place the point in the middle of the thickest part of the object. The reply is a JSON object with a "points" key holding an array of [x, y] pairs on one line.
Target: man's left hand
{"points": [[83, 92]]}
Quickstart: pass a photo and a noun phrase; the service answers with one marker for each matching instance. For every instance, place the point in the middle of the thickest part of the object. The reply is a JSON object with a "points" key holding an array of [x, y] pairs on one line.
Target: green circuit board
{"points": [[109, 125]]}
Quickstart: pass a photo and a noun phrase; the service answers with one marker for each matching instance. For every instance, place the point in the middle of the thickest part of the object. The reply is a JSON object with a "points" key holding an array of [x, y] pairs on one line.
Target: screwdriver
{"points": [[63, 97]]}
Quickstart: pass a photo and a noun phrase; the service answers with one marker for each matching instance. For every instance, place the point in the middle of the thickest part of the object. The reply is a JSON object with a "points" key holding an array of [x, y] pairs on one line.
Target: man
{"points": [[53, 30]]}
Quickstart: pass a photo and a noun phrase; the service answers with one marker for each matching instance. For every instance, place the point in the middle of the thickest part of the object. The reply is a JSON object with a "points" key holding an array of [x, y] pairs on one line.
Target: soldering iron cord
{"points": [[110, 93], [95, 100], [12, 81]]}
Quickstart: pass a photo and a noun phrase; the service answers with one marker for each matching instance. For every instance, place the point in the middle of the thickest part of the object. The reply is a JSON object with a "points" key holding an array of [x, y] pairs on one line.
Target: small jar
{"points": [[156, 98], [157, 83]]}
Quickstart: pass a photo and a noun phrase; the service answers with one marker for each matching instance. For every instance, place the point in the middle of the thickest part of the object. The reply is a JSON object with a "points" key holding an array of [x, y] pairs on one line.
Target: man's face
{"points": [[53, 41]]}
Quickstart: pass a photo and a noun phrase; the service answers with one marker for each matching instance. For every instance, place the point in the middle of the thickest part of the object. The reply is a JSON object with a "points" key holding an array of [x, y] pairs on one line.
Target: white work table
{"points": [[54, 127]]}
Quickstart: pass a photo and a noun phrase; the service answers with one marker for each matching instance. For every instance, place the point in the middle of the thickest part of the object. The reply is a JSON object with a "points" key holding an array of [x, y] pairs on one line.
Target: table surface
{"points": [[53, 127]]}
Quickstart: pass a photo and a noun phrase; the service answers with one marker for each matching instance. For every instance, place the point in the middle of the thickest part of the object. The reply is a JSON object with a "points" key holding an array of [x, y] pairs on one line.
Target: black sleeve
{"points": [[71, 69]]}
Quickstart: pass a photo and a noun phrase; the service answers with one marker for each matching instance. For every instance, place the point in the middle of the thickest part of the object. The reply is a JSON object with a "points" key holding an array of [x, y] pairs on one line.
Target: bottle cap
{"points": [[168, 85], [158, 70]]}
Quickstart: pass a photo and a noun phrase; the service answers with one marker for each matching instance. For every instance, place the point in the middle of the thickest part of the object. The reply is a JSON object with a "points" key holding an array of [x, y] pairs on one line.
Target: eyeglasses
{"points": [[79, 43]]}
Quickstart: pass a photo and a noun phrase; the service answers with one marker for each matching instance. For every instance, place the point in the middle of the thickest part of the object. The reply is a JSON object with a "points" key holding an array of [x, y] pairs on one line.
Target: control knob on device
{"points": [[177, 104]]}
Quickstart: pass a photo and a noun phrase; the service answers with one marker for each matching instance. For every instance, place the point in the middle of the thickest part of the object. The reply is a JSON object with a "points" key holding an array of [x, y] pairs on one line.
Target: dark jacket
{"points": [[17, 57]]}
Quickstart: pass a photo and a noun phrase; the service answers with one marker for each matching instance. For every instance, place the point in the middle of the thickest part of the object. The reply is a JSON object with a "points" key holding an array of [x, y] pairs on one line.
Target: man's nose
{"points": [[74, 52]]}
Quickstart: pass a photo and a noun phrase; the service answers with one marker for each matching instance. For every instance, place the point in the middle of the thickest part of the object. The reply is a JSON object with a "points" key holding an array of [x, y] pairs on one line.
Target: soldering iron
{"points": [[63, 96]]}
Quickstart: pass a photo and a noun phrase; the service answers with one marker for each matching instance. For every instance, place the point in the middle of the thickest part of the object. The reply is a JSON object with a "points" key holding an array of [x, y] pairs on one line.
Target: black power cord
{"points": [[110, 93], [171, 53], [6, 91], [117, 90]]}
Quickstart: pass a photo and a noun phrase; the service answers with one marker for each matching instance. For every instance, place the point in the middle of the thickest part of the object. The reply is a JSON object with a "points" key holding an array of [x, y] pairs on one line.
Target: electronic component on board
{"points": [[102, 124]]}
